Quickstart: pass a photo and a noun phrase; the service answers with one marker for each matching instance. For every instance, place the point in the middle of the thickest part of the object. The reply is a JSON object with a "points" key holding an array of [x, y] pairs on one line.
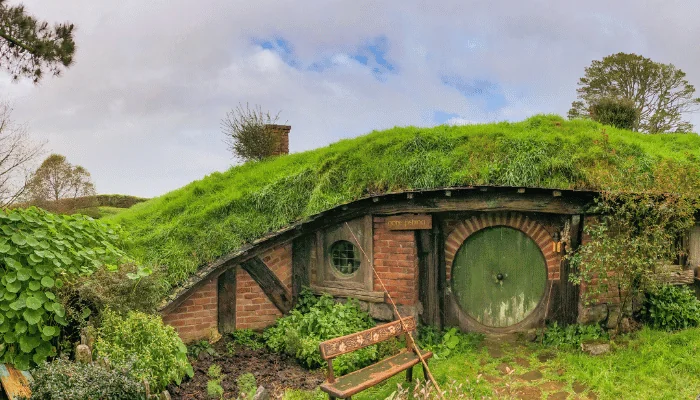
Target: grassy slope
{"points": [[210, 217]]}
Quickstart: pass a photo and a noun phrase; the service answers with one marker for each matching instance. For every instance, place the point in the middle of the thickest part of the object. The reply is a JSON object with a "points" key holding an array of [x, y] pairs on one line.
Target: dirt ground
{"points": [[275, 372]]}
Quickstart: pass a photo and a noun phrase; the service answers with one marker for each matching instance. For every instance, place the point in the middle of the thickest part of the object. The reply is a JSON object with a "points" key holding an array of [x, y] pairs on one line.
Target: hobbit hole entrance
{"points": [[499, 276]]}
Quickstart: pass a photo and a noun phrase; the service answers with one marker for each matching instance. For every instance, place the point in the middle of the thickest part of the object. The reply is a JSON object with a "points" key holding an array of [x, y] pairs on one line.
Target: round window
{"points": [[344, 257]]}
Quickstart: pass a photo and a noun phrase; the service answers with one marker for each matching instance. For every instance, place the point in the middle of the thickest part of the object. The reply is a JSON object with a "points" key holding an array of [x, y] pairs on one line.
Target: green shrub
{"points": [[448, 342], [214, 389], [214, 372], [65, 380], [202, 346], [248, 338], [154, 349], [41, 256], [300, 333], [572, 336], [247, 386], [671, 308]]}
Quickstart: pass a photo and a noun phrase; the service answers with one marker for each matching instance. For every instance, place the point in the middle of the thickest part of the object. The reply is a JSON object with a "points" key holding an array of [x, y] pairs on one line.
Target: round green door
{"points": [[499, 276]]}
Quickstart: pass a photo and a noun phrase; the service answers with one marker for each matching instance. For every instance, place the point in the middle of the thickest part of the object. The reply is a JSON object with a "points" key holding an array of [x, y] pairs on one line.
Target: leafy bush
{"points": [[300, 333], [248, 338], [65, 380], [202, 346], [447, 342], [41, 256], [247, 385], [671, 308], [214, 389], [572, 336], [154, 349]]}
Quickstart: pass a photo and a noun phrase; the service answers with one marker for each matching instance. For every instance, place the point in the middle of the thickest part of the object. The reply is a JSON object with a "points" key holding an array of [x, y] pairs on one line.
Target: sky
{"points": [[141, 107]]}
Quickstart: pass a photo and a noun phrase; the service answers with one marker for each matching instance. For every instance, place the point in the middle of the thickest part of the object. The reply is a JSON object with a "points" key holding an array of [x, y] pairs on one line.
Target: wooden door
{"points": [[499, 276]]}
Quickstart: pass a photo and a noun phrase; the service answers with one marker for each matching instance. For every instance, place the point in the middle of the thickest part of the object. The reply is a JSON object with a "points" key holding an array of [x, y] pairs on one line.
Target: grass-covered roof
{"points": [[191, 226]]}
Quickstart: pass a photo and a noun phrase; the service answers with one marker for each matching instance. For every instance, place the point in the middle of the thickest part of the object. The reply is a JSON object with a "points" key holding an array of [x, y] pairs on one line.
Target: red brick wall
{"points": [[254, 310], [396, 262], [534, 229], [196, 317]]}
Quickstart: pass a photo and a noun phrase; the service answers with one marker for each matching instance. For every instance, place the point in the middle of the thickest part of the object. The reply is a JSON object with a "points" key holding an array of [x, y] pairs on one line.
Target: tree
{"points": [[620, 113], [247, 133], [29, 48], [57, 179], [17, 152], [660, 92], [635, 237]]}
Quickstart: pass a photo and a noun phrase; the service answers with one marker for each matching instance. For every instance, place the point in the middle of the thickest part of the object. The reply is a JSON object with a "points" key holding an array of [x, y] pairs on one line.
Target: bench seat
{"points": [[355, 382]]}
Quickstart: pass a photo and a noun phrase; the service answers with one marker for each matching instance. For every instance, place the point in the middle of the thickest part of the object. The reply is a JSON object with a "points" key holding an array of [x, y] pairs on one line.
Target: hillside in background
{"points": [[193, 225], [97, 206]]}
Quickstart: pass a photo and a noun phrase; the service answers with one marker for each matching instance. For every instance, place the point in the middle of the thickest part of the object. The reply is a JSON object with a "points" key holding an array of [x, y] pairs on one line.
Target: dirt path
{"points": [[515, 370]]}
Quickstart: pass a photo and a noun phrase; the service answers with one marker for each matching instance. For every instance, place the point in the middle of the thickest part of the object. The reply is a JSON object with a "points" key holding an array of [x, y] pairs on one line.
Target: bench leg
{"points": [[409, 375], [425, 373]]}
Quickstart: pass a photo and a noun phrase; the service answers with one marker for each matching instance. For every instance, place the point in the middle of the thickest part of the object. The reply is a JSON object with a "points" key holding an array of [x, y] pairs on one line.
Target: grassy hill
{"points": [[193, 225]]}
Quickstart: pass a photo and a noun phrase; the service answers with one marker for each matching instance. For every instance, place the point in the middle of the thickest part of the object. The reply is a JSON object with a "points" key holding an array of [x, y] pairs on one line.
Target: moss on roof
{"points": [[193, 225]]}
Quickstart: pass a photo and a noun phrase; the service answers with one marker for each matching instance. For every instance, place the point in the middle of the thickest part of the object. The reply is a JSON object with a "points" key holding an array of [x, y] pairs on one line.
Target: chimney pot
{"points": [[282, 131]]}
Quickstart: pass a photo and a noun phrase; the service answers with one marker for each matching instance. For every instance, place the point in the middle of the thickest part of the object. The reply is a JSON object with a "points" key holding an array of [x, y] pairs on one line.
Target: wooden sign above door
{"points": [[409, 222]]}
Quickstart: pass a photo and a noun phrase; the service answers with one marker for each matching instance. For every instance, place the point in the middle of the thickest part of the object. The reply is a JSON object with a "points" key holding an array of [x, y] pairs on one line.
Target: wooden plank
{"points": [[14, 382], [409, 222], [226, 309], [301, 260], [355, 341], [364, 295], [269, 283]]}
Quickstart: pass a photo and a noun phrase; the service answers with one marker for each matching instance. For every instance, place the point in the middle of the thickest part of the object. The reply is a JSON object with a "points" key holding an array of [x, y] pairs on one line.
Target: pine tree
{"points": [[30, 48]]}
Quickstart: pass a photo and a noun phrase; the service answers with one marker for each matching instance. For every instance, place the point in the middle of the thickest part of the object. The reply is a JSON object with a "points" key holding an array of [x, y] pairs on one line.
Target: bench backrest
{"points": [[348, 343]]}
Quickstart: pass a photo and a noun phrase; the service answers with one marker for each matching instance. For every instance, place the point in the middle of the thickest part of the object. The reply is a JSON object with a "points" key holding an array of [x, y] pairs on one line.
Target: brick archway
{"points": [[518, 221]]}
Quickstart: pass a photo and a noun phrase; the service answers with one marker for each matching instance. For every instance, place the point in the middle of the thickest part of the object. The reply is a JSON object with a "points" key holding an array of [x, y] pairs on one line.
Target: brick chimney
{"points": [[283, 133]]}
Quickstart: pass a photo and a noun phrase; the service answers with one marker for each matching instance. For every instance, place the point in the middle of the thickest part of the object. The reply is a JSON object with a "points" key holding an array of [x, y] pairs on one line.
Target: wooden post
{"points": [[226, 294], [428, 292], [301, 258], [570, 292]]}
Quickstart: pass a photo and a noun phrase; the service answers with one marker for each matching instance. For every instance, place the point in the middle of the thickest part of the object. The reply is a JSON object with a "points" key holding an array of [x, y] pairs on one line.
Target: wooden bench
{"points": [[347, 385]]}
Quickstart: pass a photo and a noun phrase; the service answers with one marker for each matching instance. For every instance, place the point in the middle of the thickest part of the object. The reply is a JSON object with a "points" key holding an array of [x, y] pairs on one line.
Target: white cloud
{"points": [[141, 107]]}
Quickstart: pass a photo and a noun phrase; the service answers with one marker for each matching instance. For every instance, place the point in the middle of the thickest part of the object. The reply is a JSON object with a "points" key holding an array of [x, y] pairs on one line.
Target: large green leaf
{"points": [[23, 274], [4, 248], [12, 263], [13, 287], [33, 317], [18, 239], [50, 331], [27, 343], [34, 302], [47, 282], [20, 327], [34, 285]]}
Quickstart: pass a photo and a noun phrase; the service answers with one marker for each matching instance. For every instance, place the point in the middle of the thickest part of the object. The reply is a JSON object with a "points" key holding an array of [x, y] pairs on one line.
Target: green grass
{"points": [[653, 365], [191, 226]]}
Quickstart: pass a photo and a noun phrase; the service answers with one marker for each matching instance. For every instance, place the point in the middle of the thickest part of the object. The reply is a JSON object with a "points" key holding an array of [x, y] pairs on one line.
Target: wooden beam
{"points": [[301, 259], [372, 297], [269, 283], [226, 287], [428, 291]]}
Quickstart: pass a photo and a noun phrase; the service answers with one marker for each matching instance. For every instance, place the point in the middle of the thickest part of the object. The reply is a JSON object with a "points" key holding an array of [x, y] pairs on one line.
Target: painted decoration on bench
{"points": [[345, 344]]}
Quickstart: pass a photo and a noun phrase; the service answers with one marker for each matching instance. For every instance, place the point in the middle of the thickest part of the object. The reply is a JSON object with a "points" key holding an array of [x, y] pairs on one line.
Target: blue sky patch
{"points": [[282, 47], [440, 117], [484, 90]]}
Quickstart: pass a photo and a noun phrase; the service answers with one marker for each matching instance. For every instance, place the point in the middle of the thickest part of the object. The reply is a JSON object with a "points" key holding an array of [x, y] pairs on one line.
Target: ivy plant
{"points": [[40, 253]]}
